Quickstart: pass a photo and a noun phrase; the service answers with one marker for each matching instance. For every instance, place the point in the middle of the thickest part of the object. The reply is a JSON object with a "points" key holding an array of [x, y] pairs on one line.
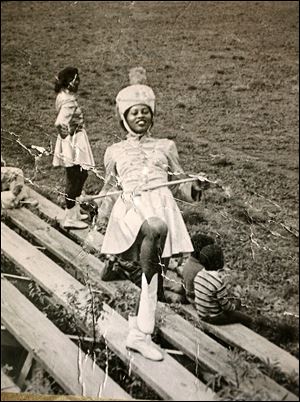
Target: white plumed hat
{"points": [[136, 93]]}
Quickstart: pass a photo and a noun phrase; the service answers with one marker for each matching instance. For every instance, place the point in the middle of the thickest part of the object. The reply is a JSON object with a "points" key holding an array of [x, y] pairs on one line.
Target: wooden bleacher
{"points": [[209, 354], [76, 374], [236, 335], [59, 284], [181, 334]]}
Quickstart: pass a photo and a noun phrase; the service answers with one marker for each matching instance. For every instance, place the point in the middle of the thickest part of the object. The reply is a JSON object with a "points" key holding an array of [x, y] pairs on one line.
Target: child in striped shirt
{"points": [[209, 293]]}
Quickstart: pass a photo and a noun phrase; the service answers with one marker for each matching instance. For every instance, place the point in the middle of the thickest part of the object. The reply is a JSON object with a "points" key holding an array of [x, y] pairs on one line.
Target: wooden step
{"points": [[239, 336], [86, 264], [59, 284], [236, 335], [7, 384], [74, 371], [56, 214], [209, 354]]}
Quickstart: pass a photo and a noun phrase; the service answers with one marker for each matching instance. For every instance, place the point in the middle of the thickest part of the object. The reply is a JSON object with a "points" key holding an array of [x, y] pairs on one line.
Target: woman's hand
{"points": [[196, 190], [201, 184], [73, 128], [197, 187]]}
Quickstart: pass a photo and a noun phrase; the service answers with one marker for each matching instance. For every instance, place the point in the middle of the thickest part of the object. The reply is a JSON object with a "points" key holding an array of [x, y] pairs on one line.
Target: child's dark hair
{"points": [[199, 241], [212, 257], [64, 77]]}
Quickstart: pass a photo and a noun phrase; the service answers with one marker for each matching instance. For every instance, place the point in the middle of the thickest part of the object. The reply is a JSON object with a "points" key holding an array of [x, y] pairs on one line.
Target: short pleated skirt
{"points": [[74, 150], [130, 212]]}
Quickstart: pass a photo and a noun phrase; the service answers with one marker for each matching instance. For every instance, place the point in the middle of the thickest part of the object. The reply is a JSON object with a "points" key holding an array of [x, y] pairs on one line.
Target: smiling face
{"points": [[139, 118]]}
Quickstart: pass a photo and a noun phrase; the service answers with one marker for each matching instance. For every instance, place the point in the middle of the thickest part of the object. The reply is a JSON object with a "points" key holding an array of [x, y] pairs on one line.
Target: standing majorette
{"points": [[144, 226], [72, 148]]}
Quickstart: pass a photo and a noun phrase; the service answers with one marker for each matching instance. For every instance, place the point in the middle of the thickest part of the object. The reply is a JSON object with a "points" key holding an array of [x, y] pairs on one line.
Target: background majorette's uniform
{"points": [[74, 149]]}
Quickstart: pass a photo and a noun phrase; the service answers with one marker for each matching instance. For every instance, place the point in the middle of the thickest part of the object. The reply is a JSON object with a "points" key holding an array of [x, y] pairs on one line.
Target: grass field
{"points": [[226, 79]]}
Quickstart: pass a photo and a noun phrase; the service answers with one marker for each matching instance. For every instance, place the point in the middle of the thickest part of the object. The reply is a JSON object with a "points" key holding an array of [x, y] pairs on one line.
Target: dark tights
{"points": [[75, 179], [153, 234], [150, 242]]}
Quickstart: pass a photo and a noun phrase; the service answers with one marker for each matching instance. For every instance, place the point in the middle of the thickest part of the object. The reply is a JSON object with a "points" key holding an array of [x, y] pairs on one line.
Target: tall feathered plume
{"points": [[137, 75]]}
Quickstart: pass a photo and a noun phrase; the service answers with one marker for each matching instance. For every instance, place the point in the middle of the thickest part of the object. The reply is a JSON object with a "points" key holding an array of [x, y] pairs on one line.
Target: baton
{"points": [[148, 188]]}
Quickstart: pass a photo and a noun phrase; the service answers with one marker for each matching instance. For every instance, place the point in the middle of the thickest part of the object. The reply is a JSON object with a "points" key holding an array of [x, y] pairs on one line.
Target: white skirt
{"points": [[74, 150], [128, 214]]}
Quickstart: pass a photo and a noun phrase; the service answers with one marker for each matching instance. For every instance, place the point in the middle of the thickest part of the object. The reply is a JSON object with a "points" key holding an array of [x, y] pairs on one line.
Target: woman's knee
{"points": [[155, 227]]}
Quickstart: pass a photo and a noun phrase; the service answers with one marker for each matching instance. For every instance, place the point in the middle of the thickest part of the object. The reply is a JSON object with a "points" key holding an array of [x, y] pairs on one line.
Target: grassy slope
{"points": [[225, 76]]}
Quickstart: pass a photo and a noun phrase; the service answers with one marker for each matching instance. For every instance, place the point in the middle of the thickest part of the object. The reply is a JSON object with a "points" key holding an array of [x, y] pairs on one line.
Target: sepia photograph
{"points": [[150, 200]]}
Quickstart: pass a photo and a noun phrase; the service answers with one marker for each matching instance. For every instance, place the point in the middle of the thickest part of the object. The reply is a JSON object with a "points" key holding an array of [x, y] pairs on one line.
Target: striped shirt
{"points": [[211, 296]]}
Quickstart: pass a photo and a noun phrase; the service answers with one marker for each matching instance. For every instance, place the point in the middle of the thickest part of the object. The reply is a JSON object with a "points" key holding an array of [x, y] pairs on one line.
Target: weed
{"points": [[41, 383]]}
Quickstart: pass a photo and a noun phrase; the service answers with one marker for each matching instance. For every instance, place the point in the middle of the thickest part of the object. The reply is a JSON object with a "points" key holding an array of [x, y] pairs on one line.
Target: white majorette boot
{"points": [[79, 215], [71, 221], [142, 326]]}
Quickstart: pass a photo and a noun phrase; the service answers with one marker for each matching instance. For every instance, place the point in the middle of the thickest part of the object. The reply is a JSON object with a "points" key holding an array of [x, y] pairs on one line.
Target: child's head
{"points": [[68, 78], [212, 257], [200, 240]]}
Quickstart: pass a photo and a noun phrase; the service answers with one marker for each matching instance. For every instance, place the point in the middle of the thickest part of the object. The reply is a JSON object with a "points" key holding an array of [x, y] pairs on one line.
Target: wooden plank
{"points": [[59, 245], [59, 356], [238, 335], [25, 369], [57, 282], [56, 214], [21, 278], [235, 335], [7, 384], [192, 390], [71, 253], [192, 341], [215, 358]]}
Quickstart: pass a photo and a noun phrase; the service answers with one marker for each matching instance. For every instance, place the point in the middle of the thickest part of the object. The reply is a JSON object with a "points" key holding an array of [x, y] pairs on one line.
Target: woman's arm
{"points": [[63, 121], [190, 191]]}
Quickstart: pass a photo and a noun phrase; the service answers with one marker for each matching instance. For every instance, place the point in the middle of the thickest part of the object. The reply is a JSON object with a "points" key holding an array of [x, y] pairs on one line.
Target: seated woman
{"points": [[144, 226], [14, 193]]}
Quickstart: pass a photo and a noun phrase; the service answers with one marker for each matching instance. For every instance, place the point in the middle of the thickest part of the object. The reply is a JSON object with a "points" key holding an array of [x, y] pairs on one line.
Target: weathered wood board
{"points": [[74, 371]]}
